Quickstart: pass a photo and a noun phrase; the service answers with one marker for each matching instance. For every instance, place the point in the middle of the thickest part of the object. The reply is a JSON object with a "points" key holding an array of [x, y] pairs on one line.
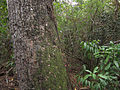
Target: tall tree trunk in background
{"points": [[38, 60]]}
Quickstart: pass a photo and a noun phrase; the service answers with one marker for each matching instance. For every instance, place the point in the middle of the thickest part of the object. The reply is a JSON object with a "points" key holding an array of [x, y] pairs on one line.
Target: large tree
{"points": [[34, 33]]}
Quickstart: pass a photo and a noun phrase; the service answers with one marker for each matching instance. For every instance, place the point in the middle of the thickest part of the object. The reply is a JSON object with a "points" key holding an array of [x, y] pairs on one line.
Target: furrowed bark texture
{"points": [[38, 60]]}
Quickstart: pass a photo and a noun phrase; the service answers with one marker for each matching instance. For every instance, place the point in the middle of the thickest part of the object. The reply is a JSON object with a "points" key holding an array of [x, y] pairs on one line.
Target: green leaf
{"points": [[106, 60], [94, 76], [103, 82], [88, 71], [85, 45], [81, 43], [108, 66], [103, 76], [86, 82], [95, 70], [116, 64], [87, 76], [111, 43], [84, 67]]}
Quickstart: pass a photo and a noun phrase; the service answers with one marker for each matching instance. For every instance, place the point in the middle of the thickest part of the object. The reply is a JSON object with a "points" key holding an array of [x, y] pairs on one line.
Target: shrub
{"points": [[105, 70]]}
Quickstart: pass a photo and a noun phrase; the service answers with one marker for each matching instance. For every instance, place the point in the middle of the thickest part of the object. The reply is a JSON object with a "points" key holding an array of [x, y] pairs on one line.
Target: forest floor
{"points": [[8, 78]]}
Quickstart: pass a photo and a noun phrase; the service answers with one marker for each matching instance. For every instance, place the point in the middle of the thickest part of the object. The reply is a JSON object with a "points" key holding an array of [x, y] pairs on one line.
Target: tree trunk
{"points": [[39, 64]]}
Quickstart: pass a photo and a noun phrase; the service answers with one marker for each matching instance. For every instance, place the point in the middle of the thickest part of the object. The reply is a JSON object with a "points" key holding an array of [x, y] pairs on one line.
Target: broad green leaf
{"points": [[103, 76], [94, 76]]}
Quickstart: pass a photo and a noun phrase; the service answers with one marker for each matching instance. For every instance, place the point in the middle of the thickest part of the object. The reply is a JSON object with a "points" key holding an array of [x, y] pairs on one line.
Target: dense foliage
{"points": [[104, 72], [91, 20], [5, 45], [88, 30]]}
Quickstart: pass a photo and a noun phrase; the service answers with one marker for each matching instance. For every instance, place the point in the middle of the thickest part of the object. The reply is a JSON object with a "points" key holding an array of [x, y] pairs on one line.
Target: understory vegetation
{"points": [[89, 31]]}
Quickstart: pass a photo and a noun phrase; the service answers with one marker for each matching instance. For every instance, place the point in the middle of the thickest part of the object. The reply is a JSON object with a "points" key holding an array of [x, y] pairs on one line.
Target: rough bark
{"points": [[38, 60]]}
